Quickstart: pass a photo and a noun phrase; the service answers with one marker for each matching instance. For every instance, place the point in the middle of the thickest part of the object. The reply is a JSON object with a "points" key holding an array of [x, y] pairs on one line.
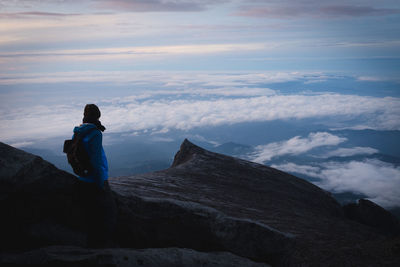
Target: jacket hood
{"points": [[84, 128]]}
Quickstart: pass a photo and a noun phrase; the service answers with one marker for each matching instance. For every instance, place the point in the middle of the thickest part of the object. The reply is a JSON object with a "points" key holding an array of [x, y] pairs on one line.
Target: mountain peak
{"points": [[186, 151]]}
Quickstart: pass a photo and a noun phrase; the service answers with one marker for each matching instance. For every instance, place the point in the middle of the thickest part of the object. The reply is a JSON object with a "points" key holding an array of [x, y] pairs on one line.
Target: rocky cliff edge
{"points": [[206, 209]]}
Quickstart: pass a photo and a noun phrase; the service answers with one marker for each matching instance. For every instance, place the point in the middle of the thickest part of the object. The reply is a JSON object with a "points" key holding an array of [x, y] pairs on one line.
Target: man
{"points": [[93, 190]]}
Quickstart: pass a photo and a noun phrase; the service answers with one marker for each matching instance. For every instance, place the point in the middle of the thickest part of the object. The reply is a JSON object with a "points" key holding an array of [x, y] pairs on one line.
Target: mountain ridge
{"points": [[205, 201]]}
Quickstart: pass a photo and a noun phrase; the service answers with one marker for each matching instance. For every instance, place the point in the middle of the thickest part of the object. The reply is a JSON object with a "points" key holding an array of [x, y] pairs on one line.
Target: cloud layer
{"points": [[348, 152], [155, 5], [192, 80], [226, 106], [295, 146], [380, 181], [173, 100], [322, 12], [107, 35]]}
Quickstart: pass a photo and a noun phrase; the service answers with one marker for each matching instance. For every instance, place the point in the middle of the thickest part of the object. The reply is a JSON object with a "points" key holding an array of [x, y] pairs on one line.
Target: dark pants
{"points": [[100, 213]]}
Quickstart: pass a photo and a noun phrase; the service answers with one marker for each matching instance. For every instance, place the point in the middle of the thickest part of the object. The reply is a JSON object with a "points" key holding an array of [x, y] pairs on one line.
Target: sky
{"points": [[158, 67], [145, 57], [40, 36]]}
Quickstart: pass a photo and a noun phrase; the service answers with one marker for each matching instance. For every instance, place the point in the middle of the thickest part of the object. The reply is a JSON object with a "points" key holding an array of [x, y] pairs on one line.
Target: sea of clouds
{"points": [[159, 102], [185, 101], [378, 180]]}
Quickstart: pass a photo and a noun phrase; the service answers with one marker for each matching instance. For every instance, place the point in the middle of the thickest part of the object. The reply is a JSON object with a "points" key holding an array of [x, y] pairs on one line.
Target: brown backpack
{"points": [[77, 155]]}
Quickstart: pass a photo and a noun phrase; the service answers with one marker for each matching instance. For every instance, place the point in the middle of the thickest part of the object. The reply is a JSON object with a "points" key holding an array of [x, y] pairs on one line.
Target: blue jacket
{"points": [[93, 144]]}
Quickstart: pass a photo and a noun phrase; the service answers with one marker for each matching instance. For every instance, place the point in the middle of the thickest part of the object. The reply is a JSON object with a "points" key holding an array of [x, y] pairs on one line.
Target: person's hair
{"points": [[91, 112]]}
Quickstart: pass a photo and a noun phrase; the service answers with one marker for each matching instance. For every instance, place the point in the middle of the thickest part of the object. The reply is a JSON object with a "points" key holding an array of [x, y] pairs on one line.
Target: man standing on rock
{"points": [[93, 189]]}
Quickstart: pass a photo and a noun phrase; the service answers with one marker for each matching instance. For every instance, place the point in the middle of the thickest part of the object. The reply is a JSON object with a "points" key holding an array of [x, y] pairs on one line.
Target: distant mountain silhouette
{"points": [[206, 209], [233, 149]]}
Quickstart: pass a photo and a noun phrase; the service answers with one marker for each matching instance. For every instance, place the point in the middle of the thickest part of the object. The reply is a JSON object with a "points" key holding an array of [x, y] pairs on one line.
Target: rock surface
{"points": [[369, 213], [204, 204], [166, 257], [38, 203], [314, 228]]}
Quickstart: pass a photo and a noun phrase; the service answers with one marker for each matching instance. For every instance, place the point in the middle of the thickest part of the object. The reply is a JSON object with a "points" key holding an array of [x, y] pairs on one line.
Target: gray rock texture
{"points": [[313, 227], [369, 213], [207, 209], [166, 257]]}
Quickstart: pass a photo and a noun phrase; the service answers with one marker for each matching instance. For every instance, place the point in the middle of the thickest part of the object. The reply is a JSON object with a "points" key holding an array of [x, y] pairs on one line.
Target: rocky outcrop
{"points": [[313, 227], [163, 257], [218, 210], [158, 222], [369, 213], [38, 203]]}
